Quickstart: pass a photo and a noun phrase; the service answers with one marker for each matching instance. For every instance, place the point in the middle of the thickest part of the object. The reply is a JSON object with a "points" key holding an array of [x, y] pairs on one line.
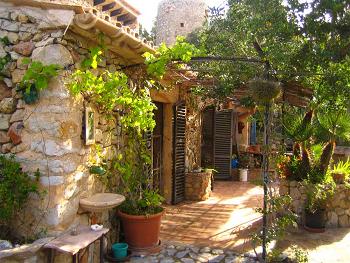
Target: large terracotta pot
{"points": [[141, 232]]}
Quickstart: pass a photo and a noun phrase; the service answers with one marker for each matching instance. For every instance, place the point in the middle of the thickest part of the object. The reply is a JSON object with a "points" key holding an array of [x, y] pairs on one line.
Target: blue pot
{"points": [[120, 250]]}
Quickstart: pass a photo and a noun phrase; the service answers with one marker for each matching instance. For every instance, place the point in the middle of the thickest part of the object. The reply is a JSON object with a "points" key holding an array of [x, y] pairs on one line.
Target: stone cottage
{"points": [[48, 135]]}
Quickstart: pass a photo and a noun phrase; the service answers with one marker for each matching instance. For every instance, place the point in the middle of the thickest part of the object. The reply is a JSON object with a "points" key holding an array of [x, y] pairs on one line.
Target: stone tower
{"points": [[178, 18]]}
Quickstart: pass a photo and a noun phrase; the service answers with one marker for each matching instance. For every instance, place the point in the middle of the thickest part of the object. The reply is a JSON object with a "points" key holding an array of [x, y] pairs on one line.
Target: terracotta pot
{"points": [[141, 232], [338, 178]]}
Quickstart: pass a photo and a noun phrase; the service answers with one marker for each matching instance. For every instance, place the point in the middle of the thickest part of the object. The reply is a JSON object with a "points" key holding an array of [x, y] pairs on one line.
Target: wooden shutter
{"points": [[179, 142], [223, 144], [148, 167]]}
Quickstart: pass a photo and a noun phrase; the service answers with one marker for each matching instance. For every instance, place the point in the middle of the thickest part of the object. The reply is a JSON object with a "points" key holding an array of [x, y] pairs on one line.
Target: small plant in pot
{"points": [[341, 172], [243, 164], [319, 188]]}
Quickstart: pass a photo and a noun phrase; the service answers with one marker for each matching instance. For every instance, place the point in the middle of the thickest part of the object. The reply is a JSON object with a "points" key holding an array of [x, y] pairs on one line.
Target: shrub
{"points": [[15, 188]]}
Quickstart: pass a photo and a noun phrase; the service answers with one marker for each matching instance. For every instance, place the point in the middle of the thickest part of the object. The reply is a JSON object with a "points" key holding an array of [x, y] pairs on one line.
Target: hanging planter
{"points": [[264, 91]]}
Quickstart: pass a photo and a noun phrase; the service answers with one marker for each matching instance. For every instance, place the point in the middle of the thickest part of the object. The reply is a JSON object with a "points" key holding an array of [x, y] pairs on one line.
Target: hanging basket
{"points": [[264, 91]]}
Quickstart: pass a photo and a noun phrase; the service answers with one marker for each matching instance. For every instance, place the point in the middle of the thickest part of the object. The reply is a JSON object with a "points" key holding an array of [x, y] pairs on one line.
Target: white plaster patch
{"points": [[58, 166], [53, 148], [78, 176], [51, 180], [69, 191]]}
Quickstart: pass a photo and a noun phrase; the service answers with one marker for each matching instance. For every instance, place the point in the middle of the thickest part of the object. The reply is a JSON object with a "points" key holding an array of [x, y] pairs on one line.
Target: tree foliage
{"points": [[302, 41]]}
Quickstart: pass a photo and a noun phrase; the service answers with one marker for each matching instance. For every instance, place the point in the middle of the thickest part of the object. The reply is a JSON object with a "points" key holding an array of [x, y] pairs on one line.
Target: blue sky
{"points": [[149, 8]]}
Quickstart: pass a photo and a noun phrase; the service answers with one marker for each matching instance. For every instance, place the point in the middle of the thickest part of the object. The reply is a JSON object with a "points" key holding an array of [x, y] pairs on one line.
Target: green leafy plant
{"points": [[181, 51], [318, 194], [36, 79], [133, 106], [7, 58], [15, 188], [341, 171], [243, 160]]}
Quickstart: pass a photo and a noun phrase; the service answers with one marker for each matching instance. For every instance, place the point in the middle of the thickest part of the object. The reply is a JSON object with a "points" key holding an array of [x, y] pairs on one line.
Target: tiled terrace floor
{"points": [[227, 219], [224, 220]]}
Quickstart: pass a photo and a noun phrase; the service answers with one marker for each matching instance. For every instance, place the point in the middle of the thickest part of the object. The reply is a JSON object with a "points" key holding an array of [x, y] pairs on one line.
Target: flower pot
{"points": [[316, 221], [141, 232], [243, 175], [120, 250], [338, 178]]}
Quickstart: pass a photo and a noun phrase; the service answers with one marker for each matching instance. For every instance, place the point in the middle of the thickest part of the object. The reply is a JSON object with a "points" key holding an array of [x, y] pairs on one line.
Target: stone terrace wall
{"points": [[48, 135], [338, 207]]}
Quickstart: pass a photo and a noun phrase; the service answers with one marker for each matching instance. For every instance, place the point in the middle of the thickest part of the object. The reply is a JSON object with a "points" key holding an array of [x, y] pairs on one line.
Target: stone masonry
{"points": [[48, 134], [338, 207], [198, 186], [178, 18]]}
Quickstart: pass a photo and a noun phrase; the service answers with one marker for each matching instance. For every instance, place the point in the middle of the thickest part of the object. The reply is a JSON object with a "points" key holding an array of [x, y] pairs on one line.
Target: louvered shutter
{"points": [[179, 153], [223, 144], [148, 167]]}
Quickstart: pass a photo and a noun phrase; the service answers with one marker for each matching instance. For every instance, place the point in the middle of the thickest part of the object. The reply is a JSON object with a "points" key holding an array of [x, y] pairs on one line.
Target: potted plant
{"points": [[315, 209], [243, 164], [341, 172], [141, 212]]}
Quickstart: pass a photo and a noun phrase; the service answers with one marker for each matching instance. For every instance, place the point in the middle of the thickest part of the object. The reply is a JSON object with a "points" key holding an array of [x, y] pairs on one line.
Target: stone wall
{"points": [[338, 207], [178, 18], [48, 134], [198, 186]]}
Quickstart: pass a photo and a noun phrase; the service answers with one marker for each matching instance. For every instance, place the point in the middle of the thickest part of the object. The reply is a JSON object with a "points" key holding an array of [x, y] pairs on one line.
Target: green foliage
{"points": [[7, 58], [336, 123], [150, 204], [35, 79], [15, 188], [318, 194], [280, 219], [115, 95], [298, 127], [300, 255], [181, 51], [342, 168]]}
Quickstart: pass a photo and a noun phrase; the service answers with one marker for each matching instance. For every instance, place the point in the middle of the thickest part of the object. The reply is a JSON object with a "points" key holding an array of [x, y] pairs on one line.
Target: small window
{"points": [[182, 24]]}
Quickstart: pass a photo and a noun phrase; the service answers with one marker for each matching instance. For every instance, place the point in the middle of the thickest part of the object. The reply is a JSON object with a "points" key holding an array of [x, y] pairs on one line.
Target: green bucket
{"points": [[120, 250]]}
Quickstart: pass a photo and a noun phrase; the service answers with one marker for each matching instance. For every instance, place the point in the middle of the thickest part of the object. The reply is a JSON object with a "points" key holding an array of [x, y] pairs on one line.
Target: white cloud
{"points": [[149, 8]]}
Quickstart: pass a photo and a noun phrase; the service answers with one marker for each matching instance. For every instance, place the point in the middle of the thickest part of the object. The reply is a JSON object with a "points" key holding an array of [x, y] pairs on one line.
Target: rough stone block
{"points": [[8, 105], [344, 221], [13, 37], [24, 48], [17, 75], [5, 121], [3, 137], [6, 148], [5, 91], [53, 54], [15, 132], [17, 116]]}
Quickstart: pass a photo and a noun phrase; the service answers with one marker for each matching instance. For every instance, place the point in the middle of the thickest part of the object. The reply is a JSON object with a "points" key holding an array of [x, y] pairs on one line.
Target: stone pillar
{"points": [[198, 186]]}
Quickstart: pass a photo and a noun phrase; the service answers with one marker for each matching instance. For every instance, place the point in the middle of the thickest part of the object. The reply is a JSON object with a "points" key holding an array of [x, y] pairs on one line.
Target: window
{"points": [[182, 24]]}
